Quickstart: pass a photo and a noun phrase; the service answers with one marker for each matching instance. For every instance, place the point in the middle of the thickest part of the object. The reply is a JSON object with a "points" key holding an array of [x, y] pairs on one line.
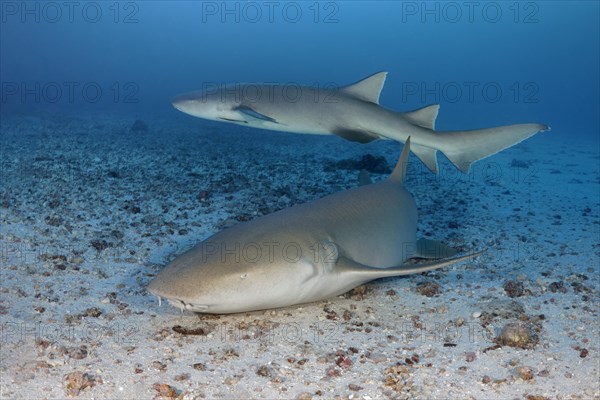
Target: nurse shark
{"points": [[353, 113]]}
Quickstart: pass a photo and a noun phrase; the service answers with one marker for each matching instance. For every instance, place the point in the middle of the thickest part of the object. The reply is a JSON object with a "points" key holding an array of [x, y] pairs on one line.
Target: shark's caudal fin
{"points": [[399, 172], [465, 147]]}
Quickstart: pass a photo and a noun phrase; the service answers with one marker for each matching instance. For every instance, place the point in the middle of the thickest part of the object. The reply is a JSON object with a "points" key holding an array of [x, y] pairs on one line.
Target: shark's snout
{"points": [[160, 288], [181, 102]]}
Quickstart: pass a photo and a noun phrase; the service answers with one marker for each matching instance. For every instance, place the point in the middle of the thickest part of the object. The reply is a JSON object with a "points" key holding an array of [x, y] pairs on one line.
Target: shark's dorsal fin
{"points": [[368, 89], [399, 172], [424, 117]]}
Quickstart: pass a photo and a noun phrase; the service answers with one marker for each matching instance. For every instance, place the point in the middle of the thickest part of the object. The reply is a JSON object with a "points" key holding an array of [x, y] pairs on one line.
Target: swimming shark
{"points": [[305, 253], [352, 112]]}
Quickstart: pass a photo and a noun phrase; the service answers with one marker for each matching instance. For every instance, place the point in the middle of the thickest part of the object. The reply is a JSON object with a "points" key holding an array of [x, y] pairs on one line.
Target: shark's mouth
{"points": [[233, 120], [182, 305]]}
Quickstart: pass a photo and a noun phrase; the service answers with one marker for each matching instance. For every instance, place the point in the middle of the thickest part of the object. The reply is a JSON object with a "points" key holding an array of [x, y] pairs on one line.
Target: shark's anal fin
{"points": [[355, 135], [252, 114], [433, 249], [427, 155]]}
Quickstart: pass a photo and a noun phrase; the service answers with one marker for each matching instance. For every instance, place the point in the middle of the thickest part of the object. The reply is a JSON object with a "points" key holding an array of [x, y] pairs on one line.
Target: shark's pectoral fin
{"points": [[433, 249], [250, 113], [355, 135], [427, 155]]}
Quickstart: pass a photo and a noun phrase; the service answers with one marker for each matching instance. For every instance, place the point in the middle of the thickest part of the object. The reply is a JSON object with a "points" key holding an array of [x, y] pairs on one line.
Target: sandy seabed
{"points": [[90, 211]]}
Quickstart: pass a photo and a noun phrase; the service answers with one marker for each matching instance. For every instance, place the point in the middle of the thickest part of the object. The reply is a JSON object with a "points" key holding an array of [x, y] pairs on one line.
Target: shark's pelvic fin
{"points": [[368, 89], [355, 135], [370, 273], [424, 117], [399, 172]]}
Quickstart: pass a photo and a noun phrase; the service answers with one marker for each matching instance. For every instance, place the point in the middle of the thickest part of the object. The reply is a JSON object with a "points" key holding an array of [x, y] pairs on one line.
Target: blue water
{"points": [[487, 63], [91, 210]]}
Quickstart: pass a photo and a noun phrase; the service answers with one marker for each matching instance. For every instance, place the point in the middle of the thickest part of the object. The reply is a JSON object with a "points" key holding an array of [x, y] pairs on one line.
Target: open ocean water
{"points": [[103, 182]]}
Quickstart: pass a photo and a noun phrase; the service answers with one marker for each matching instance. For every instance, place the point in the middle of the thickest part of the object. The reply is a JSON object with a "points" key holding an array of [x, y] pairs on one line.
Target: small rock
{"points": [[139, 126], [428, 289], [159, 366], [525, 373], [486, 379], [99, 245], [199, 367], [557, 286], [189, 331], [369, 163], [263, 370], [514, 289], [165, 391], [442, 309], [517, 335], [75, 382], [77, 353], [182, 377], [470, 356], [354, 388], [344, 362], [94, 312]]}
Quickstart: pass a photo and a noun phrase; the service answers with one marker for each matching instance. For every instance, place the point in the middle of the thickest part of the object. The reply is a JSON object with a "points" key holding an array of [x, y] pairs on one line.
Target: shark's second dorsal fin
{"points": [[399, 172], [368, 89], [424, 117]]}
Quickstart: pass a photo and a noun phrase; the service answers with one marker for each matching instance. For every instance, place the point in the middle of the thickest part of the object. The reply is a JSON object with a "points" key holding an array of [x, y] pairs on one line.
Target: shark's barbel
{"points": [[305, 253], [352, 112]]}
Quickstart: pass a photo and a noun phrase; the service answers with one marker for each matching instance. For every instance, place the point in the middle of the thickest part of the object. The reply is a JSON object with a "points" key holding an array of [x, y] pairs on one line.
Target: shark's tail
{"points": [[463, 148]]}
